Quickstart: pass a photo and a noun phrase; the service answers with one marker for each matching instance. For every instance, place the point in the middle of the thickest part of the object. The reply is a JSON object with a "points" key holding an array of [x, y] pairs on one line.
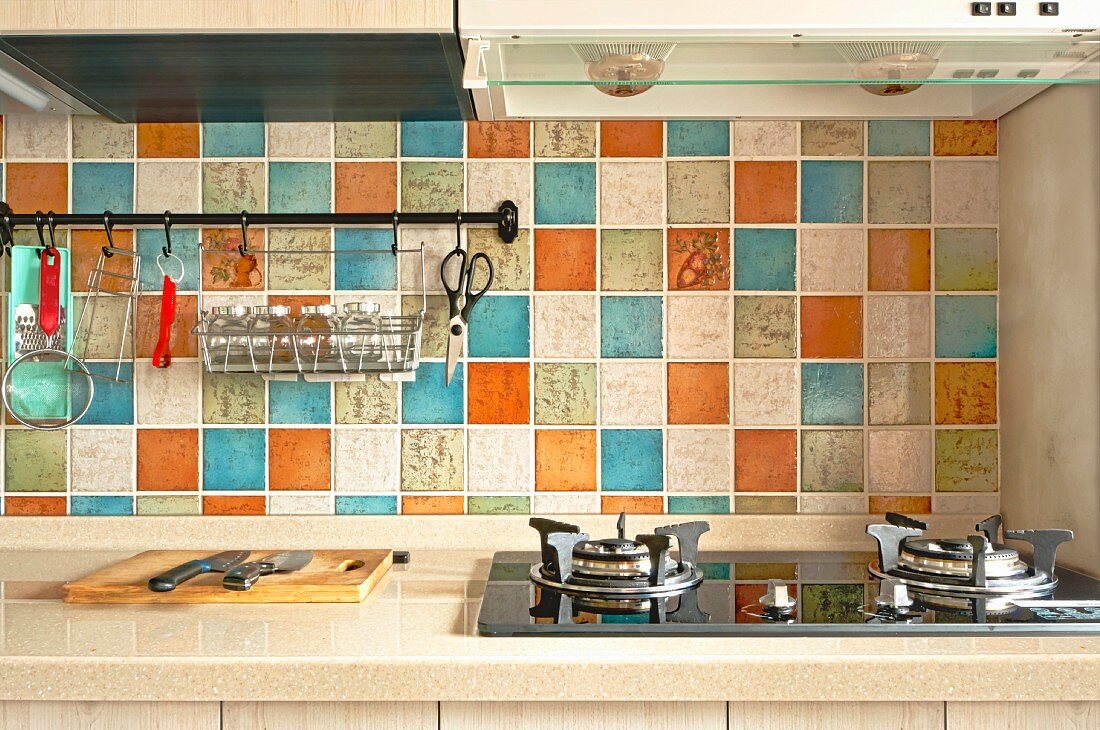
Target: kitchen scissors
{"points": [[462, 299]]}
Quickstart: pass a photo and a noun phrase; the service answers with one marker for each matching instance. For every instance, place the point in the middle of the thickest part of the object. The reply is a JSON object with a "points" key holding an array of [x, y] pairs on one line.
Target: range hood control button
{"points": [[1048, 8], [982, 8], [1006, 8]]}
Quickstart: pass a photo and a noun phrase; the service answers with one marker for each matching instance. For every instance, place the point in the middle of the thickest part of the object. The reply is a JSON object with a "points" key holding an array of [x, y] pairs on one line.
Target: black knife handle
{"points": [[245, 575], [169, 579]]}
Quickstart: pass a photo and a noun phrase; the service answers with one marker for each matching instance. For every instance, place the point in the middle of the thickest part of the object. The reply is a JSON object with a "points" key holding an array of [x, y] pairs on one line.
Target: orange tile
{"points": [[37, 186], [878, 504], [765, 460], [297, 301], [613, 505], [168, 459], [565, 460], [832, 327], [698, 392], [424, 505], [499, 139], [765, 192], [34, 506], [632, 139], [366, 187], [965, 137], [230, 271], [86, 246], [183, 343], [299, 458], [498, 392], [699, 258], [898, 260], [749, 594], [220, 505], [168, 140], [966, 392], [565, 259]]}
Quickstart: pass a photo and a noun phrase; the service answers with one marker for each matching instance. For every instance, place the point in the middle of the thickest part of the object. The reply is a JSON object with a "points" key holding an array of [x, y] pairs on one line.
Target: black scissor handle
{"points": [[471, 296], [454, 293]]}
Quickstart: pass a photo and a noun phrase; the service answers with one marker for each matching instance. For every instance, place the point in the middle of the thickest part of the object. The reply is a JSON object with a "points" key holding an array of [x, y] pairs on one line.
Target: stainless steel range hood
{"points": [[824, 59]]}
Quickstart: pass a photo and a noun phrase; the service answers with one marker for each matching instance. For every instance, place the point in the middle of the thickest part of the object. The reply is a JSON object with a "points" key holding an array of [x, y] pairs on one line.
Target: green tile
{"points": [[311, 271], [431, 186], [175, 505], [699, 191], [764, 326], [230, 187], [631, 260], [366, 139], [832, 604], [511, 261], [899, 192], [431, 459], [370, 401], [966, 259], [565, 393], [232, 398], [966, 460], [764, 505], [765, 571], [832, 461], [35, 461], [433, 340], [827, 138], [99, 138], [499, 506], [899, 393]]}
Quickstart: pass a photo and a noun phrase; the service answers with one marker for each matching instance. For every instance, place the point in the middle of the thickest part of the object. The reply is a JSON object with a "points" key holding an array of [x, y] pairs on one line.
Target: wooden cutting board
{"points": [[334, 576]]}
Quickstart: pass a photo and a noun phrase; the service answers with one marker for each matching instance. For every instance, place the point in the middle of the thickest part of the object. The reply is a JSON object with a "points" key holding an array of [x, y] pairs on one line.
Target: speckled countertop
{"points": [[414, 639]]}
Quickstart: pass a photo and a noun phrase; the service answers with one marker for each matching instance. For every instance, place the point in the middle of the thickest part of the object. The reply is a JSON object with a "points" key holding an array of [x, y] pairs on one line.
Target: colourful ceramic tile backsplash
{"points": [[698, 316]]}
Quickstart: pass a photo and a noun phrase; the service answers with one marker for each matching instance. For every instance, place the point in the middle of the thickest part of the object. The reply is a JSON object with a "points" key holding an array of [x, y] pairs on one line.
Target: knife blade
{"points": [[245, 575], [217, 563]]}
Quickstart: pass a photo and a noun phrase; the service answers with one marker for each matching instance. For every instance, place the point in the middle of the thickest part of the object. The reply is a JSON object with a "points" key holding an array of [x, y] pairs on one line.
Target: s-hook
{"points": [[52, 226], [458, 230], [396, 223], [107, 253], [40, 224], [242, 249], [7, 233], [166, 249]]}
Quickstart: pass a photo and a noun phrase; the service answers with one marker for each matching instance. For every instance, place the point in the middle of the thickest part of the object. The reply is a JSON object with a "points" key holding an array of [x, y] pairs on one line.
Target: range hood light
{"points": [[891, 61], [633, 62]]}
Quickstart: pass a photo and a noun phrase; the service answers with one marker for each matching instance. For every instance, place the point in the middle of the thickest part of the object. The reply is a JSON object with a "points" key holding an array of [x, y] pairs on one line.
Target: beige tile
{"points": [[233, 398], [899, 192], [898, 326], [900, 461], [299, 139], [438, 242], [431, 459], [299, 504], [699, 191], [371, 401], [102, 459], [565, 393], [366, 139], [753, 504], [834, 504], [100, 138], [698, 460], [169, 396], [103, 334], [832, 259], [36, 136], [899, 393], [299, 271], [966, 192], [765, 394], [982, 504], [832, 138], [765, 139], [698, 326], [631, 193], [632, 393], [765, 326], [168, 186], [832, 461], [632, 260], [511, 261], [500, 459], [566, 504], [490, 183], [367, 460], [565, 139], [565, 325]]}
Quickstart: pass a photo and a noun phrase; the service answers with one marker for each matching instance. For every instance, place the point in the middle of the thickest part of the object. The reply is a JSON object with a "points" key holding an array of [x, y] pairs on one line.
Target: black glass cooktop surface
{"points": [[832, 592]]}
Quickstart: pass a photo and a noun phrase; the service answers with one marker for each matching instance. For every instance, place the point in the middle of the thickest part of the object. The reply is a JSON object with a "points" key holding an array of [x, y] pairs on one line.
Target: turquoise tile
{"points": [[898, 138], [832, 393], [711, 505], [429, 399], [431, 139], [565, 193], [94, 505], [100, 186], [234, 459], [764, 259], [294, 402], [832, 191], [698, 139], [631, 460], [500, 326], [966, 326], [112, 403], [365, 505], [631, 327], [498, 506], [185, 246], [233, 139], [299, 187], [366, 271]]}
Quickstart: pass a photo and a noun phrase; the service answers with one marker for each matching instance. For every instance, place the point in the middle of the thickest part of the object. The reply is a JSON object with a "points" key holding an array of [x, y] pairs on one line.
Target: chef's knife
{"points": [[244, 576], [218, 563]]}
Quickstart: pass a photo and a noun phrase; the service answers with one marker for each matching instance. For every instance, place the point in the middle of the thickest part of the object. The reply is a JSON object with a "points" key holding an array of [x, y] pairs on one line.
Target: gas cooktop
{"points": [[912, 586]]}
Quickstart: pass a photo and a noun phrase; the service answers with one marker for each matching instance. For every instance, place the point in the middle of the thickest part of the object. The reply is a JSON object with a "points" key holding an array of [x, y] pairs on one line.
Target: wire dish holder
{"points": [[390, 349]]}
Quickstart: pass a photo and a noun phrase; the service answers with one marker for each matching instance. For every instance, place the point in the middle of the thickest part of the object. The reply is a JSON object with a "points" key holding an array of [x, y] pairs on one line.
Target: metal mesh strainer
{"points": [[47, 389]]}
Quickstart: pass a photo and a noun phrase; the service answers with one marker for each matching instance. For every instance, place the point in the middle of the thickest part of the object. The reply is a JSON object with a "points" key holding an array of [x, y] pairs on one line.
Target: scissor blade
{"points": [[454, 347]]}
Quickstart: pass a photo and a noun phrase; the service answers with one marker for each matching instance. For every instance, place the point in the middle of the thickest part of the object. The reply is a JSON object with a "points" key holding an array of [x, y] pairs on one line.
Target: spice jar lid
{"points": [[274, 310], [363, 307], [318, 309], [234, 311]]}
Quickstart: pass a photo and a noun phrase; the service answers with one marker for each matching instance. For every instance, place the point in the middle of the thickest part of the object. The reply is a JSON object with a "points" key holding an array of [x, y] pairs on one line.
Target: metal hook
{"points": [[40, 223], [242, 249], [110, 237], [52, 228], [167, 248], [458, 230], [396, 223], [8, 233]]}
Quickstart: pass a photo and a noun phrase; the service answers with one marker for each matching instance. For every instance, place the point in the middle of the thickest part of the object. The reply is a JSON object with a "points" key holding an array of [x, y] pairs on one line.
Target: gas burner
{"points": [[617, 571], [954, 573]]}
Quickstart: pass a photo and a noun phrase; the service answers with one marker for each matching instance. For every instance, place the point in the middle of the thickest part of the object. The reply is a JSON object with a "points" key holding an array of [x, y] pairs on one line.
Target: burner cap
{"points": [[955, 549]]}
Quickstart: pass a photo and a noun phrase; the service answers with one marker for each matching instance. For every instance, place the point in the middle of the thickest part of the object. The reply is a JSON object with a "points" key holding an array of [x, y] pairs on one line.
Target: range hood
{"points": [[820, 59]]}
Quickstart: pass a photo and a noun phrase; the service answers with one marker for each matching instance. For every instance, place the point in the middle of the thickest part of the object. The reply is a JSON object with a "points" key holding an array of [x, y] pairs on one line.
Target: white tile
{"points": [[36, 136], [567, 504], [698, 460], [765, 394], [102, 459], [500, 459], [299, 139], [299, 504], [490, 183], [631, 193], [169, 396], [367, 460], [164, 185], [699, 326], [900, 461], [832, 259], [632, 393], [565, 325]]}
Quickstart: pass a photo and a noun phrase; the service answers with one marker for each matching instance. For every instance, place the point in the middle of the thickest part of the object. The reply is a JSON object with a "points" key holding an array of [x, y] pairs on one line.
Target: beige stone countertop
{"points": [[415, 638]]}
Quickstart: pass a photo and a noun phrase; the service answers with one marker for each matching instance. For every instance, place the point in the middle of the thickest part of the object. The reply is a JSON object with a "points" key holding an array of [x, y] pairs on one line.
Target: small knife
{"points": [[244, 576], [218, 563]]}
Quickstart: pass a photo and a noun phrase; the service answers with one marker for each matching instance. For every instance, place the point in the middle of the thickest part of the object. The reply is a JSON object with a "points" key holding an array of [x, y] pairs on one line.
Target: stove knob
{"points": [[893, 594], [778, 597]]}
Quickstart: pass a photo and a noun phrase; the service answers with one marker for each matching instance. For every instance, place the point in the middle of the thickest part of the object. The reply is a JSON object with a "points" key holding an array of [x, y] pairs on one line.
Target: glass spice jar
{"points": [[362, 326], [317, 345], [227, 336], [272, 336]]}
